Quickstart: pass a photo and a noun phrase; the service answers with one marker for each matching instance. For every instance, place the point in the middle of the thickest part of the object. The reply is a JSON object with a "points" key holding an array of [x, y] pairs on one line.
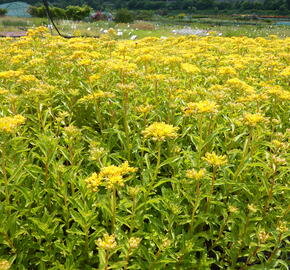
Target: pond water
{"points": [[283, 23]]}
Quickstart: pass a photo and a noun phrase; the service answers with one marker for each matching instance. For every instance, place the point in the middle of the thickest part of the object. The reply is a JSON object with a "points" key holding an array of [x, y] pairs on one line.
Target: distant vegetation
{"points": [[124, 16], [280, 6], [3, 11], [70, 12]]}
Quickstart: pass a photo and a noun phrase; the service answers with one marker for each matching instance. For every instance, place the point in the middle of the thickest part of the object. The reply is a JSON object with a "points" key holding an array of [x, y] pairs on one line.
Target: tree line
{"points": [[187, 5]]}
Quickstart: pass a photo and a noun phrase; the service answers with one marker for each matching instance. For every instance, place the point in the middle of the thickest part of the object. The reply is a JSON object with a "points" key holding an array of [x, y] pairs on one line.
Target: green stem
{"points": [[113, 207], [252, 255], [213, 180], [99, 115], [275, 249], [270, 193], [125, 119], [155, 260], [127, 259], [246, 225], [86, 231], [245, 153], [71, 154], [4, 172], [133, 214], [158, 161], [106, 261], [199, 146], [212, 187], [195, 207]]}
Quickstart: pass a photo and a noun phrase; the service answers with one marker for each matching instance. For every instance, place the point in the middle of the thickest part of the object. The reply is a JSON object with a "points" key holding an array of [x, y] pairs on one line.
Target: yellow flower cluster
{"points": [[254, 119], [94, 181], [10, 74], [96, 96], [189, 68], [160, 131], [134, 242], [108, 242], [3, 91], [286, 72], [144, 108], [263, 236], [278, 92], [197, 175], [229, 71], [4, 265], [239, 86], [39, 31], [27, 78], [282, 227], [215, 160], [94, 78], [205, 106], [126, 87], [72, 131], [111, 176], [9, 124], [233, 209]]}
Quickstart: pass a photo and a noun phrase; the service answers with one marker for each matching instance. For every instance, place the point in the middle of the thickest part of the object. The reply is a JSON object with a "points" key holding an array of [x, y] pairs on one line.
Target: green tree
{"points": [[124, 15], [3, 11], [78, 13]]}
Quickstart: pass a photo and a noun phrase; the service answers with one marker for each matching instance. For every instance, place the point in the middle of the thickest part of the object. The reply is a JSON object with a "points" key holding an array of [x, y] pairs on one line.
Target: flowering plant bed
{"points": [[150, 154]]}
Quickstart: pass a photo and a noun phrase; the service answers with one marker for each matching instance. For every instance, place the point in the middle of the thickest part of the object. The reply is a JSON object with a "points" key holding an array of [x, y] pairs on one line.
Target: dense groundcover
{"points": [[156, 154]]}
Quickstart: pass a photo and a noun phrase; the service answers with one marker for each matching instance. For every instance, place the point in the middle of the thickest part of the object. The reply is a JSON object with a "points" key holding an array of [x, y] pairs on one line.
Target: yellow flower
{"points": [[96, 96], [108, 242], [72, 131], [189, 68], [112, 176], [3, 91], [144, 108], [254, 119], [10, 74], [227, 71], [170, 60], [133, 191], [94, 78], [205, 106], [121, 66], [285, 72], [282, 227], [156, 77], [9, 124], [252, 208], [278, 92], [238, 86], [134, 242], [215, 160], [147, 58], [39, 31], [112, 32], [233, 209], [279, 160], [27, 78], [126, 87], [159, 131], [94, 181], [4, 265], [96, 152], [197, 175], [263, 236], [277, 144]]}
